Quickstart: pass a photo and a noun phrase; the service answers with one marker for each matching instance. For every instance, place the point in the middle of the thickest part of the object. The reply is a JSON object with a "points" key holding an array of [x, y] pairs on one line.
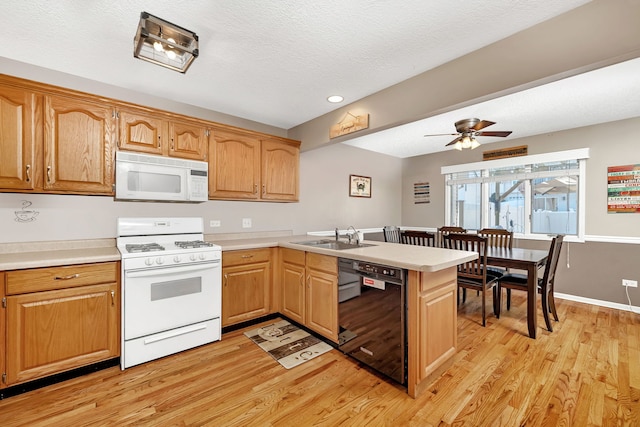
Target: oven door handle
{"points": [[179, 269]]}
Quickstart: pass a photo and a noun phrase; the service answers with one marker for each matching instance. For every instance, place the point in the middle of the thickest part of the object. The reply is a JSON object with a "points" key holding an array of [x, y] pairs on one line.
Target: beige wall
{"points": [[609, 144], [324, 204]]}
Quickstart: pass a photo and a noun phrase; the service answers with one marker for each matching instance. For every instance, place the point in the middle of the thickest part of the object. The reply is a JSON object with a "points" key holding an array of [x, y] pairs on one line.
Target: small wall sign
{"points": [[359, 186], [349, 124], [623, 189]]}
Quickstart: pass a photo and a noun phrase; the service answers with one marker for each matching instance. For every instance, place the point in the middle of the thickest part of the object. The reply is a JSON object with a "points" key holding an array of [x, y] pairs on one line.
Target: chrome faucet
{"points": [[353, 235], [337, 234]]}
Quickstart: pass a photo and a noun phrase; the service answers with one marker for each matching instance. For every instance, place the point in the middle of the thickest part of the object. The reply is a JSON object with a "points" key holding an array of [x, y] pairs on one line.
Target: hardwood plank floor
{"points": [[585, 373]]}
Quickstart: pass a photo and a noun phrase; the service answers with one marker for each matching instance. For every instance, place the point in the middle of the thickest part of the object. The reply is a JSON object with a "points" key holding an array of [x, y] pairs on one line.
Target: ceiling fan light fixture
{"points": [[466, 142], [163, 43], [458, 146], [474, 143]]}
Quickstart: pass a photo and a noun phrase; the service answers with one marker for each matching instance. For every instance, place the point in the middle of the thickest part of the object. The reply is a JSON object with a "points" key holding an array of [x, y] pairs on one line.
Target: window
{"points": [[531, 195]]}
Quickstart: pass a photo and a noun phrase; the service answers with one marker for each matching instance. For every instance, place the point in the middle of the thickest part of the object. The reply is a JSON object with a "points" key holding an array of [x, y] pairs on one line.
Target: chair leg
{"points": [[552, 306], [508, 299], [464, 295], [545, 309], [496, 301], [484, 314]]}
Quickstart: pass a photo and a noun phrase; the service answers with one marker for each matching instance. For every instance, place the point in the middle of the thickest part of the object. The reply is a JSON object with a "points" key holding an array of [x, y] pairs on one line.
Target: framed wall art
{"points": [[359, 186]]}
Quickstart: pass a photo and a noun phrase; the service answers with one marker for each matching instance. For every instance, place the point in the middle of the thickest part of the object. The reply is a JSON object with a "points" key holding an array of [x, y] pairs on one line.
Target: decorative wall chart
{"points": [[623, 189]]}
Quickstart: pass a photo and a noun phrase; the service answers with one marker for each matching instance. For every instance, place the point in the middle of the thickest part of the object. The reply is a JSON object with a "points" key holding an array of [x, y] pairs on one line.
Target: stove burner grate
{"points": [[143, 247], [193, 244]]}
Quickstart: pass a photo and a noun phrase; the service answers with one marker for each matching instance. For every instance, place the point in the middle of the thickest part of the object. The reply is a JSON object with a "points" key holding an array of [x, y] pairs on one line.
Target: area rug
{"points": [[288, 344]]}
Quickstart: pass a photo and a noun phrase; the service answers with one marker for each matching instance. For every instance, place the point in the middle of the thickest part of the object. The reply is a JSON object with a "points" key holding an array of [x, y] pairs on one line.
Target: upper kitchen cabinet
{"points": [[250, 166], [156, 134], [17, 138], [280, 168], [78, 145]]}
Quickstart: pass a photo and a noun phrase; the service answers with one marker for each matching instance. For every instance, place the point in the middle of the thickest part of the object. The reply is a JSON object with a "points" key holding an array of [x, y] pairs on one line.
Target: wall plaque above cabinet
{"points": [[349, 124]]}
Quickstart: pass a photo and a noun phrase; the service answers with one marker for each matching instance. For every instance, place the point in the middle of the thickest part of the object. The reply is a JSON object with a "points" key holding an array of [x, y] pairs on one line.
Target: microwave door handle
{"points": [[181, 269]]}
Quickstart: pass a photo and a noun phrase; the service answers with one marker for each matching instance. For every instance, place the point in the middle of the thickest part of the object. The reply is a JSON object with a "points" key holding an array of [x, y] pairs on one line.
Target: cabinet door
{"points": [[141, 132], [78, 146], [188, 140], [245, 292], [54, 331], [3, 329], [293, 291], [17, 138], [234, 166], [322, 303], [437, 331], [280, 166]]}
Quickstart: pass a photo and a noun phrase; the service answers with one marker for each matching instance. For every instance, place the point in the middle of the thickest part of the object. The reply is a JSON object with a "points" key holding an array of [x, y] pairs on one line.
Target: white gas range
{"points": [[171, 287]]}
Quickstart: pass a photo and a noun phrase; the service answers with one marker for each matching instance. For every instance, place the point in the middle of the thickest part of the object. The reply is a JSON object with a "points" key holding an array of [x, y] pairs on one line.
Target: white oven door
{"points": [[156, 300]]}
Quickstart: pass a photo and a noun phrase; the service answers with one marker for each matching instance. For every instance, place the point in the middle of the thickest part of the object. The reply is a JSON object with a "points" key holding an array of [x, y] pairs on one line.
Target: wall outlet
{"points": [[215, 223], [630, 283], [246, 222]]}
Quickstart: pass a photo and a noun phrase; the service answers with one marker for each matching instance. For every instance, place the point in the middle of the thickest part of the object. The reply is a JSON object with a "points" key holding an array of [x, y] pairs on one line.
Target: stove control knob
{"points": [[177, 259], [148, 261], [201, 256], [192, 257], [160, 260]]}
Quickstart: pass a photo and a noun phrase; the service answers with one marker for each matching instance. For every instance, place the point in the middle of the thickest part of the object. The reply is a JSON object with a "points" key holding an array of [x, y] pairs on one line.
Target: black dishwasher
{"points": [[372, 316]]}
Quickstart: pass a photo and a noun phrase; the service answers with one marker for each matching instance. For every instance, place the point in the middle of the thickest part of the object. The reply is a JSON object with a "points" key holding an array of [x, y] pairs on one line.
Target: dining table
{"points": [[529, 260]]}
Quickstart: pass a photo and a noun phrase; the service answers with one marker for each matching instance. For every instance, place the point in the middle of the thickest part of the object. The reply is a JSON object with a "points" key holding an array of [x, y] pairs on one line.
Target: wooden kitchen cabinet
{"points": [[150, 133], [249, 166], [293, 280], [322, 295], [310, 290], [60, 318], [246, 285], [78, 145], [17, 137], [3, 331]]}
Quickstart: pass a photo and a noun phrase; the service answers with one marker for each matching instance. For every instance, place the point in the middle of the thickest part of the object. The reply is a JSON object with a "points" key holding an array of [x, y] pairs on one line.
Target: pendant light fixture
{"points": [[163, 43]]}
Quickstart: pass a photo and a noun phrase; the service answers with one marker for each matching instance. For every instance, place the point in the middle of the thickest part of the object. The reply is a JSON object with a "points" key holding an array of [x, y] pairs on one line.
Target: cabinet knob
{"points": [[48, 173], [264, 189], [28, 173], [113, 298], [69, 277], [225, 280], [255, 188]]}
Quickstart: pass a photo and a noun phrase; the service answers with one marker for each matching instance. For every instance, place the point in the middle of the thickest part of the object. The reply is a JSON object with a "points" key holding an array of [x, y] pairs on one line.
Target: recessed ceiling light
{"points": [[335, 99]]}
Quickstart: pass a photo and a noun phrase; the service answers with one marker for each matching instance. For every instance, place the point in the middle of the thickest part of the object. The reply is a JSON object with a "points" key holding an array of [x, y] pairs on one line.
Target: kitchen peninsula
{"points": [[431, 292]]}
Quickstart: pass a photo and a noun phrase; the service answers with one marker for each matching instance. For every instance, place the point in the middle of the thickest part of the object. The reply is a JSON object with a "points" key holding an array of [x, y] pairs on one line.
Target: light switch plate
{"points": [[246, 222], [215, 223], [630, 283]]}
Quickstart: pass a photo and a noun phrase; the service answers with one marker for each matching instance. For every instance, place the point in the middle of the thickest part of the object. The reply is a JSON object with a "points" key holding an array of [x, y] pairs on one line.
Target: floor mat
{"points": [[288, 344]]}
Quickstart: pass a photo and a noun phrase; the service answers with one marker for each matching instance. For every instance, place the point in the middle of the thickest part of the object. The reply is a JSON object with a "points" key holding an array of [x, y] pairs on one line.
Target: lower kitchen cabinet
{"points": [[60, 318], [310, 290], [246, 285]]}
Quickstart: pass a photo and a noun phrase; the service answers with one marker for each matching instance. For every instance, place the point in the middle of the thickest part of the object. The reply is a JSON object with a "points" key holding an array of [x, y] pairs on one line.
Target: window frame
{"points": [[580, 155]]}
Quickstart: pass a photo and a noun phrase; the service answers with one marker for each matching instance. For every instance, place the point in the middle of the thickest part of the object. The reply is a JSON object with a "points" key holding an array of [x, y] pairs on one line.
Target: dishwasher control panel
{"points": [[383, 272]]}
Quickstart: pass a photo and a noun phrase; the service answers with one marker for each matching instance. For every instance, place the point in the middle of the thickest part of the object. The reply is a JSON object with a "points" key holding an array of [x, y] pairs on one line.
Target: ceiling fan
{"points": [[468, 129]]}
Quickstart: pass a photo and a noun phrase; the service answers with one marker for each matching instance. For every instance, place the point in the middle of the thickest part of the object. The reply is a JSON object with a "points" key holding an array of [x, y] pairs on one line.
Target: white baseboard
{"points": [[608, 304]]}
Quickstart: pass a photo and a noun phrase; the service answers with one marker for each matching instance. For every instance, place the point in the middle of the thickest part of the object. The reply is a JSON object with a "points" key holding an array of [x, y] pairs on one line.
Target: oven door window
{"points": [[161, 300]]}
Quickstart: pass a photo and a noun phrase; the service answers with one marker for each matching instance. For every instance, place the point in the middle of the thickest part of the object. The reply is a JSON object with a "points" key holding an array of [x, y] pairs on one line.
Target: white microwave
{"points": [[155, 178]]}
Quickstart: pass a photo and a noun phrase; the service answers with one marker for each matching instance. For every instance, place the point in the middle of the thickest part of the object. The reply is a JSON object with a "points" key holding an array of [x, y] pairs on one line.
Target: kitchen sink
{"points": [[332, 244]]}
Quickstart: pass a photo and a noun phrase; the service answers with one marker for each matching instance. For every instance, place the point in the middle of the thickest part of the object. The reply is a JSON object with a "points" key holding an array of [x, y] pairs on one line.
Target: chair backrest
{"points": [[475, 269], [414, 237], [391, 233], [445, 230], [552, 260], [497, 237]]}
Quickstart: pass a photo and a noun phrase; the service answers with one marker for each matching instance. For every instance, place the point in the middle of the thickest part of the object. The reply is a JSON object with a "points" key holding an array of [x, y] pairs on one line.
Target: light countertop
{"points": [[49, 254]]}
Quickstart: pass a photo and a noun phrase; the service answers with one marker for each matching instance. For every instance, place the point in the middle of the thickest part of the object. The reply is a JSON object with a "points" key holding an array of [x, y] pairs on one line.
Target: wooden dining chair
{"points": [[391, 233], [545, 284], [414, 237], [473, 274], [445, 230]]}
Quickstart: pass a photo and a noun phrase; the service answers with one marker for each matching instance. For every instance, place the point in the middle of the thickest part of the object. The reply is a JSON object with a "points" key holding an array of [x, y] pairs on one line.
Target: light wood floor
{"points": [[587, 372]]}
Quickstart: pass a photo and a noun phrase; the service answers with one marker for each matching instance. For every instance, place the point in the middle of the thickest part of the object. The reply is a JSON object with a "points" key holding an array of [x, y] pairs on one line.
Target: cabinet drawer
{"points": [[292, 256], [50, 278], [245, 256], [322, 262]]}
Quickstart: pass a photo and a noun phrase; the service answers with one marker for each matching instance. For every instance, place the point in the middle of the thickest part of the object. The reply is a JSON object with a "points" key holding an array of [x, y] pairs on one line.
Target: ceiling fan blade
{"points": [[443, 134], [482, 124], [494, 133], [454, 141]]}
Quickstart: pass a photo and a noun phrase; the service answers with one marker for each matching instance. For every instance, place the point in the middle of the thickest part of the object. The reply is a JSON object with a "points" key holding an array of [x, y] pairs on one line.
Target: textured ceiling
{"points": [[273, 62]]}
